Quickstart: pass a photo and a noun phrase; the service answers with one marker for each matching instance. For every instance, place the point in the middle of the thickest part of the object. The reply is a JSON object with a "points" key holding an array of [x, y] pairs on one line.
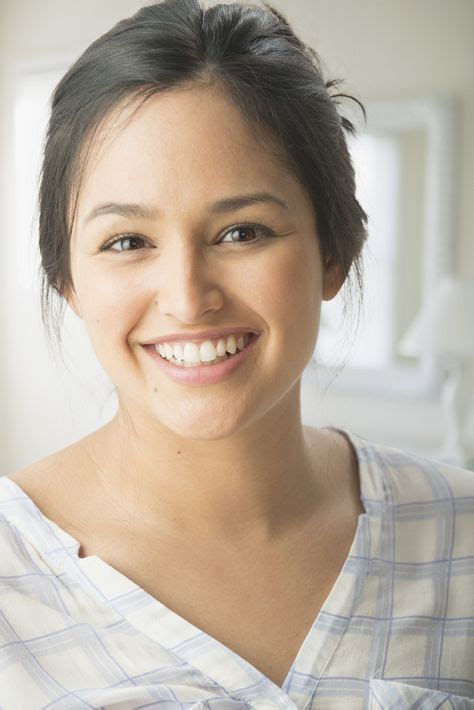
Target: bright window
{"points": [[376, 164]]}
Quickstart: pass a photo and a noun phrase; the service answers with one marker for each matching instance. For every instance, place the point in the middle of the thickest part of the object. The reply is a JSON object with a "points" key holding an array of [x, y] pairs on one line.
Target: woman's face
{"points": [[181, 153]]}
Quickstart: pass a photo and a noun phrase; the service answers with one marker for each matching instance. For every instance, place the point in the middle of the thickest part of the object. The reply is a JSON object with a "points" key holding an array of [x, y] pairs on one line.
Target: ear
{"points": [[333, 278], [72, 300], [73, 303]]}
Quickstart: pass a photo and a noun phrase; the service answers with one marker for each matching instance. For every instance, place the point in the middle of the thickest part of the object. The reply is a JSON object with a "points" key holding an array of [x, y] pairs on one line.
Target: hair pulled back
{"points": [[270, 75]]}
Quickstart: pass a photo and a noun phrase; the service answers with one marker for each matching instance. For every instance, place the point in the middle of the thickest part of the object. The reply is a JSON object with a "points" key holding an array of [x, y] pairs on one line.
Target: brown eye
{"points": [[242, 233], [120, 239]]}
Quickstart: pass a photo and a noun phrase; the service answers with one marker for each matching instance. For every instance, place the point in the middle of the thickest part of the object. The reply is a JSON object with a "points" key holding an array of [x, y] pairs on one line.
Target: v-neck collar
{"points": [[194, 646]]}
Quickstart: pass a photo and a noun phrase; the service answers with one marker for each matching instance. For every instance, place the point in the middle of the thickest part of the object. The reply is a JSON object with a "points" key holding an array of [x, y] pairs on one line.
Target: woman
{"points": [[204, 548]]}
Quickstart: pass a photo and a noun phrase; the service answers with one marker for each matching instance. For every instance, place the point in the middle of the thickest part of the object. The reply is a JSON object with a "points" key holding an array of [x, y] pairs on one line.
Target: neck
{"points": [[254, 485]]}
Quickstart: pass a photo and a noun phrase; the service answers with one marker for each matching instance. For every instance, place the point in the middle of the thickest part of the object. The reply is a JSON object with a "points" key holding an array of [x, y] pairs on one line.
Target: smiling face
{"points": [[187, 269]]}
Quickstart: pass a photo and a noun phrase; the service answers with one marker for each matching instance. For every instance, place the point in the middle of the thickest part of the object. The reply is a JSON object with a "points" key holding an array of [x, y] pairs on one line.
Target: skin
{"points": [[230, 461]]}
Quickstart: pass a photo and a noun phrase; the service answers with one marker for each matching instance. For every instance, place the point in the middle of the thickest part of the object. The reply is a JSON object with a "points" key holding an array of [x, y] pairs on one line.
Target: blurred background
{"points": [[405, 378]]}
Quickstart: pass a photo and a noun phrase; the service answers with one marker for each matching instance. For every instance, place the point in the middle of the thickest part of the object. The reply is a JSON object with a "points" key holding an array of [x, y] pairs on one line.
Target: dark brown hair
{"points": [[272, 77]]}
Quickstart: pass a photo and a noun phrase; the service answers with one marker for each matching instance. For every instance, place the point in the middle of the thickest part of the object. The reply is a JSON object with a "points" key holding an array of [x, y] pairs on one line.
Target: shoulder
{"points": [[47, 470], [19, 530], [428, 505], [66, 464], [39, 483], [56, 481], [412, 478]]}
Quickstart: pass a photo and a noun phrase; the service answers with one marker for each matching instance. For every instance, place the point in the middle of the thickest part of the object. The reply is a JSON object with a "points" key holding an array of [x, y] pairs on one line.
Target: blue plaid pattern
{"points": [[396, 631]]}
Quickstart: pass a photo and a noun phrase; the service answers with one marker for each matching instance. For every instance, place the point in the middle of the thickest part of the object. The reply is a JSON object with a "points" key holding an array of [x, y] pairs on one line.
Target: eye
{"points": [[119, 239], [239, 234], [243, 228]]}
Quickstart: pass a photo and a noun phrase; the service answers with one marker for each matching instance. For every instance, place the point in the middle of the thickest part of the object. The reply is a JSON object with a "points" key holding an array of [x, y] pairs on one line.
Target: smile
{"points": [[198, 372], [209, 352]]}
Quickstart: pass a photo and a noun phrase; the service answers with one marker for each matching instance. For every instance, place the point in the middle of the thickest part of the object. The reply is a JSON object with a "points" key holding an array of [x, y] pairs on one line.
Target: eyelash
{"points": [[266, 231]]}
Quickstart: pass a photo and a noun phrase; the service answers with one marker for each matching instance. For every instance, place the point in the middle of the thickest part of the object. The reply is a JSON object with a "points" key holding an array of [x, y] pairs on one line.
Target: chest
{"points": [[259, 605]]}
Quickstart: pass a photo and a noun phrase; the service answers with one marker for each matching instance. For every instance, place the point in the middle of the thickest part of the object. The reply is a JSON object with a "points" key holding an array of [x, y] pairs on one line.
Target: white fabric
{"points": [[396, 631]]}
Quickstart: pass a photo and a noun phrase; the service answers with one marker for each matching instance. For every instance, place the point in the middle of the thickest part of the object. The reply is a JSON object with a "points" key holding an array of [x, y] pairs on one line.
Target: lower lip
{"points": [[206, 374]]}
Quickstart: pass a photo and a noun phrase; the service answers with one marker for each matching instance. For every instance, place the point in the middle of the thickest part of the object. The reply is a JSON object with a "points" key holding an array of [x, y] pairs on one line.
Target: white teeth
{"points": [[208, 351], [231, 345], [178, 351], [221, 347], [189, 353]]}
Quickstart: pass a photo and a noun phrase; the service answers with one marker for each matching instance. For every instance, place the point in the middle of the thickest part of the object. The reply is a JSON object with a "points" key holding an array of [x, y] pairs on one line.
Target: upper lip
{"points": [[203, 335]]}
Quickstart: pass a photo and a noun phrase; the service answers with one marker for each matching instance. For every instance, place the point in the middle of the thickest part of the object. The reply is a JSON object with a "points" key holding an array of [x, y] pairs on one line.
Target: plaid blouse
{"points": [[396, 631]]}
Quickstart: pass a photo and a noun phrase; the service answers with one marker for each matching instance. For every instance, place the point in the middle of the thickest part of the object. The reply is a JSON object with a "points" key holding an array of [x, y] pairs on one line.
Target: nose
{"points": [[188, 289]]}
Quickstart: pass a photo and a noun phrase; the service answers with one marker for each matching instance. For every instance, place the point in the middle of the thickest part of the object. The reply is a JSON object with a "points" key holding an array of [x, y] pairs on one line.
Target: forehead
{"points": [[178, 145]]}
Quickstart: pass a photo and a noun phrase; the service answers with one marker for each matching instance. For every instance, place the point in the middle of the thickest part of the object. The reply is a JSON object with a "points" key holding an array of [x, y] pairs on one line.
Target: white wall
{"points": [[383, 49], [389, 49]]}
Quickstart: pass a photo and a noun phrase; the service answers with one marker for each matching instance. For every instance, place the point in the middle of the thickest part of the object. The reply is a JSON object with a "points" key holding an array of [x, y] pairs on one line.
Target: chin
{"points": [[199, 422]]}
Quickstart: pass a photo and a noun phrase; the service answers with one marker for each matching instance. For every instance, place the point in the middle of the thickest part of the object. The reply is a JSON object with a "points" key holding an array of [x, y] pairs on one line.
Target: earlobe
{"points": [[73, 302], [332, 280]]}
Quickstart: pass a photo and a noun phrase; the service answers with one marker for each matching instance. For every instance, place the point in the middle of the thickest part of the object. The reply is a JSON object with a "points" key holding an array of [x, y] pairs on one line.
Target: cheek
{"points": [[291, 290], [109, 301]]}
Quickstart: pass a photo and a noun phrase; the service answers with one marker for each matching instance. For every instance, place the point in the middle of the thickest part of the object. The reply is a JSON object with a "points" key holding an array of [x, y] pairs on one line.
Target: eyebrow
{"points": [[227, 204]]}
